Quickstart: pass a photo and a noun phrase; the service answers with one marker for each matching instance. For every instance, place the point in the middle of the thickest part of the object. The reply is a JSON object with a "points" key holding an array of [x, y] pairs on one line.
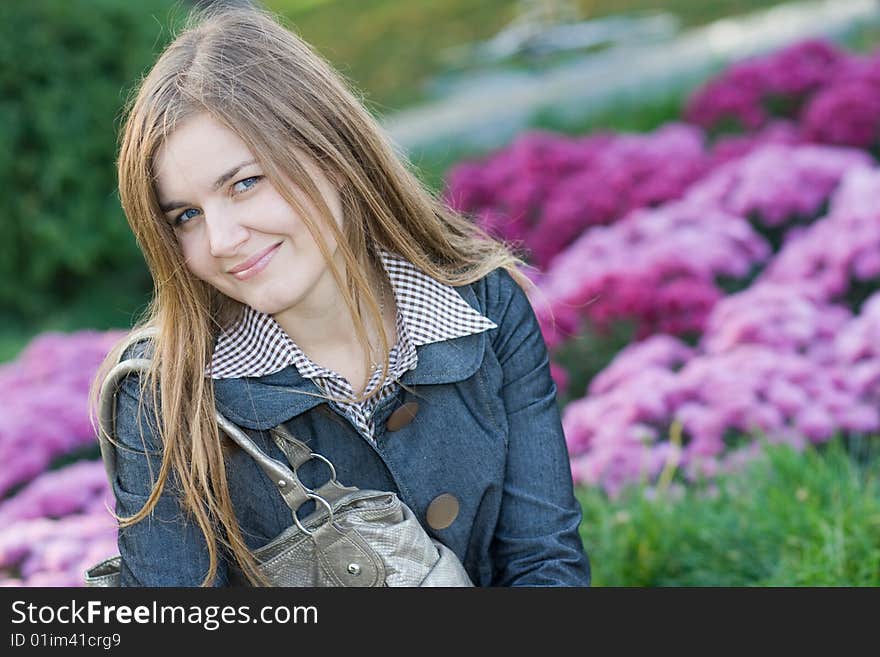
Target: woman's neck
{"points": [[322, 326]]}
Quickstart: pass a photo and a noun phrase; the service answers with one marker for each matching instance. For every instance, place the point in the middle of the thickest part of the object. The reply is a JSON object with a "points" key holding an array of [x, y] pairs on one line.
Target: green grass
{"points": [[389, 49], [807, 518]]}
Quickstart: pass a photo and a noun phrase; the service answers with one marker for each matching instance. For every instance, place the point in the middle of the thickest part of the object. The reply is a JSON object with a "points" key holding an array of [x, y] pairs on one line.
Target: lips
{"points": [[255, 264]]}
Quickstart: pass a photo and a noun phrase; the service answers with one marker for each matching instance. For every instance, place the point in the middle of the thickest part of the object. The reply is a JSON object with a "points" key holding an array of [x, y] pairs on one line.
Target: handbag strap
{"points": [[285, 479]]}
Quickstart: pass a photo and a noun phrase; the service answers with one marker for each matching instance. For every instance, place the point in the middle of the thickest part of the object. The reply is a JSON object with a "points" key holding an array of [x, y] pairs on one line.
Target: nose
{"points": [[225, 232]]}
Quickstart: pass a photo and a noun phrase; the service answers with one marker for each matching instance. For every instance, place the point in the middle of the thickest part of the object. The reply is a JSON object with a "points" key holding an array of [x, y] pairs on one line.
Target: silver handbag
{"points": [[353, 537]]}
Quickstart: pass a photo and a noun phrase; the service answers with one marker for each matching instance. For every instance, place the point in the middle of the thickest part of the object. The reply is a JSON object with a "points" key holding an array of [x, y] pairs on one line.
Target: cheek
{"points": [[196, 257], [277, 216], [280, 218]]}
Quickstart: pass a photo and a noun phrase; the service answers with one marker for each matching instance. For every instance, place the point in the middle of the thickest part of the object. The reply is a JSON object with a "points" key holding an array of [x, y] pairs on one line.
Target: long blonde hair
{"points": [[257, 78]]}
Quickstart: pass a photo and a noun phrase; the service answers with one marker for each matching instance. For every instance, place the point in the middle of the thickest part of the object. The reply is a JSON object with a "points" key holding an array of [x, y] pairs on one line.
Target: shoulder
{"points": [[502, 300], [496, 290], [137, 348]]}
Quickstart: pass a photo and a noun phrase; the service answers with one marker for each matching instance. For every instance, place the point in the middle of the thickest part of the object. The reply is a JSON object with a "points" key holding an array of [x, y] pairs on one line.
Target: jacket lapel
{"points": [[267, 401]]}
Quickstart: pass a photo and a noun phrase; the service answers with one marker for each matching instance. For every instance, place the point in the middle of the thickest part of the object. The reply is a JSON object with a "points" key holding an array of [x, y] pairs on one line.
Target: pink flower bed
{"points": [[53, 522], [764, 256]]}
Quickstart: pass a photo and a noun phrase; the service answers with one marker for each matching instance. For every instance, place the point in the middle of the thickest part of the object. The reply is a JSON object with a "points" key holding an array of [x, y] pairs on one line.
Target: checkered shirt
{"points": [[427, 311]]}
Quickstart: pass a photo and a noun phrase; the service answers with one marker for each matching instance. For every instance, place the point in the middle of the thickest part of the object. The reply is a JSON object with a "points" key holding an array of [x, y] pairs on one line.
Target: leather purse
{"points": [[353, 537]]}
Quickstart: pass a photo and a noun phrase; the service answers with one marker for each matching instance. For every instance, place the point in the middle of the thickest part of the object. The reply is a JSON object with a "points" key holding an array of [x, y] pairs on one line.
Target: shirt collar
{"points": [[429, 312], [264, 402]]}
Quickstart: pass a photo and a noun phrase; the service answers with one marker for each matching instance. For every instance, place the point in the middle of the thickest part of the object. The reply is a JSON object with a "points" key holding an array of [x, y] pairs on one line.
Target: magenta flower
{"points": [[844, 114], [750, 93], [657, 267], [778, 182], [45, 390], [545, 190]]}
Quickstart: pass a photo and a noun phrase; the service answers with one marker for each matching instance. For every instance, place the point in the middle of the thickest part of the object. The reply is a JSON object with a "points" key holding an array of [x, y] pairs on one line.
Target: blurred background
{"points": [[694, 182]]}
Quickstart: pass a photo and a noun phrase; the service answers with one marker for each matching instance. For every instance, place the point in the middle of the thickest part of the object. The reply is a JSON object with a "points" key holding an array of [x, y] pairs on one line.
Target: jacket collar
{"points": [[266, 401]]}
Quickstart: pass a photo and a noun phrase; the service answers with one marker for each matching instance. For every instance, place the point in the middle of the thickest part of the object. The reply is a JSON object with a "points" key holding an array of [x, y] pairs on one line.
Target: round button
{"points": [[402, 416], [442, 511]]}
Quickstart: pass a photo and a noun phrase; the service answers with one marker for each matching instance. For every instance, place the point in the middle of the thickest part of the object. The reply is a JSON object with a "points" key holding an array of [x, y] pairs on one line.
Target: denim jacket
{"points": [[487, 432]]}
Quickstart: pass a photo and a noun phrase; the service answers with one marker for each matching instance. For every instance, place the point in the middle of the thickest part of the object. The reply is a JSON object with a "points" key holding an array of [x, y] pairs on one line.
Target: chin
{"points": [[269, 306]]}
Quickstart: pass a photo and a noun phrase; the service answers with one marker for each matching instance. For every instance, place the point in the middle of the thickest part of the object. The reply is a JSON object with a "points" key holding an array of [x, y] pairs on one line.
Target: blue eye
{"points": [[241, 186], [246, 184], [184, 216]]}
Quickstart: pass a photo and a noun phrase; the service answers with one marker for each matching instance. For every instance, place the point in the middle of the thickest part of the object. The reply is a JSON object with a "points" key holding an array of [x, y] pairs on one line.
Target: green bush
{"points": [[792, 519], [67, 70]]}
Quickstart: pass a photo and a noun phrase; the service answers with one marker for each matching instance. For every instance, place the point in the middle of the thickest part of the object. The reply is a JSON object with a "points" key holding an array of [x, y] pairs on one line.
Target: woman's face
{"points": [[236, 231]]}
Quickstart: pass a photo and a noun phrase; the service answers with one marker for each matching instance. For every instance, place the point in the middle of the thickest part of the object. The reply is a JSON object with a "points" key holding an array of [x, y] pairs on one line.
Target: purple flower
{"points": [[45, 390], [751, 92], [58, 493], [777, 182], [656, 266], [844, 114], [785, 318], [734, 147], [546, 190], [617, 434], [838, 250]]}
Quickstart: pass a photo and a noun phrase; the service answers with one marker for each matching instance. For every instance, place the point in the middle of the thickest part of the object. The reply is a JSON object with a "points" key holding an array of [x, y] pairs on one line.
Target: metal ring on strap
{"points": [[326, 504], [333, 478]]}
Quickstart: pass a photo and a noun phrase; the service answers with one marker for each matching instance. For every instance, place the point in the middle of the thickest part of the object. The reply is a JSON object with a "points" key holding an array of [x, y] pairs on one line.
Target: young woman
{"points": [[304, 277]]}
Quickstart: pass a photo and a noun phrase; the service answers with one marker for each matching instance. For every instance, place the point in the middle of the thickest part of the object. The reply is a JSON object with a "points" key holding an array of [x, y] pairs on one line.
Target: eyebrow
{"points": [[171, 205]]}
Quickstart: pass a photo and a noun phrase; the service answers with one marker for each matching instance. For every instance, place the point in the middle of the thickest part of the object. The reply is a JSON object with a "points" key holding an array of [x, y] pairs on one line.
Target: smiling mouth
{"points": [[255, 265]]}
